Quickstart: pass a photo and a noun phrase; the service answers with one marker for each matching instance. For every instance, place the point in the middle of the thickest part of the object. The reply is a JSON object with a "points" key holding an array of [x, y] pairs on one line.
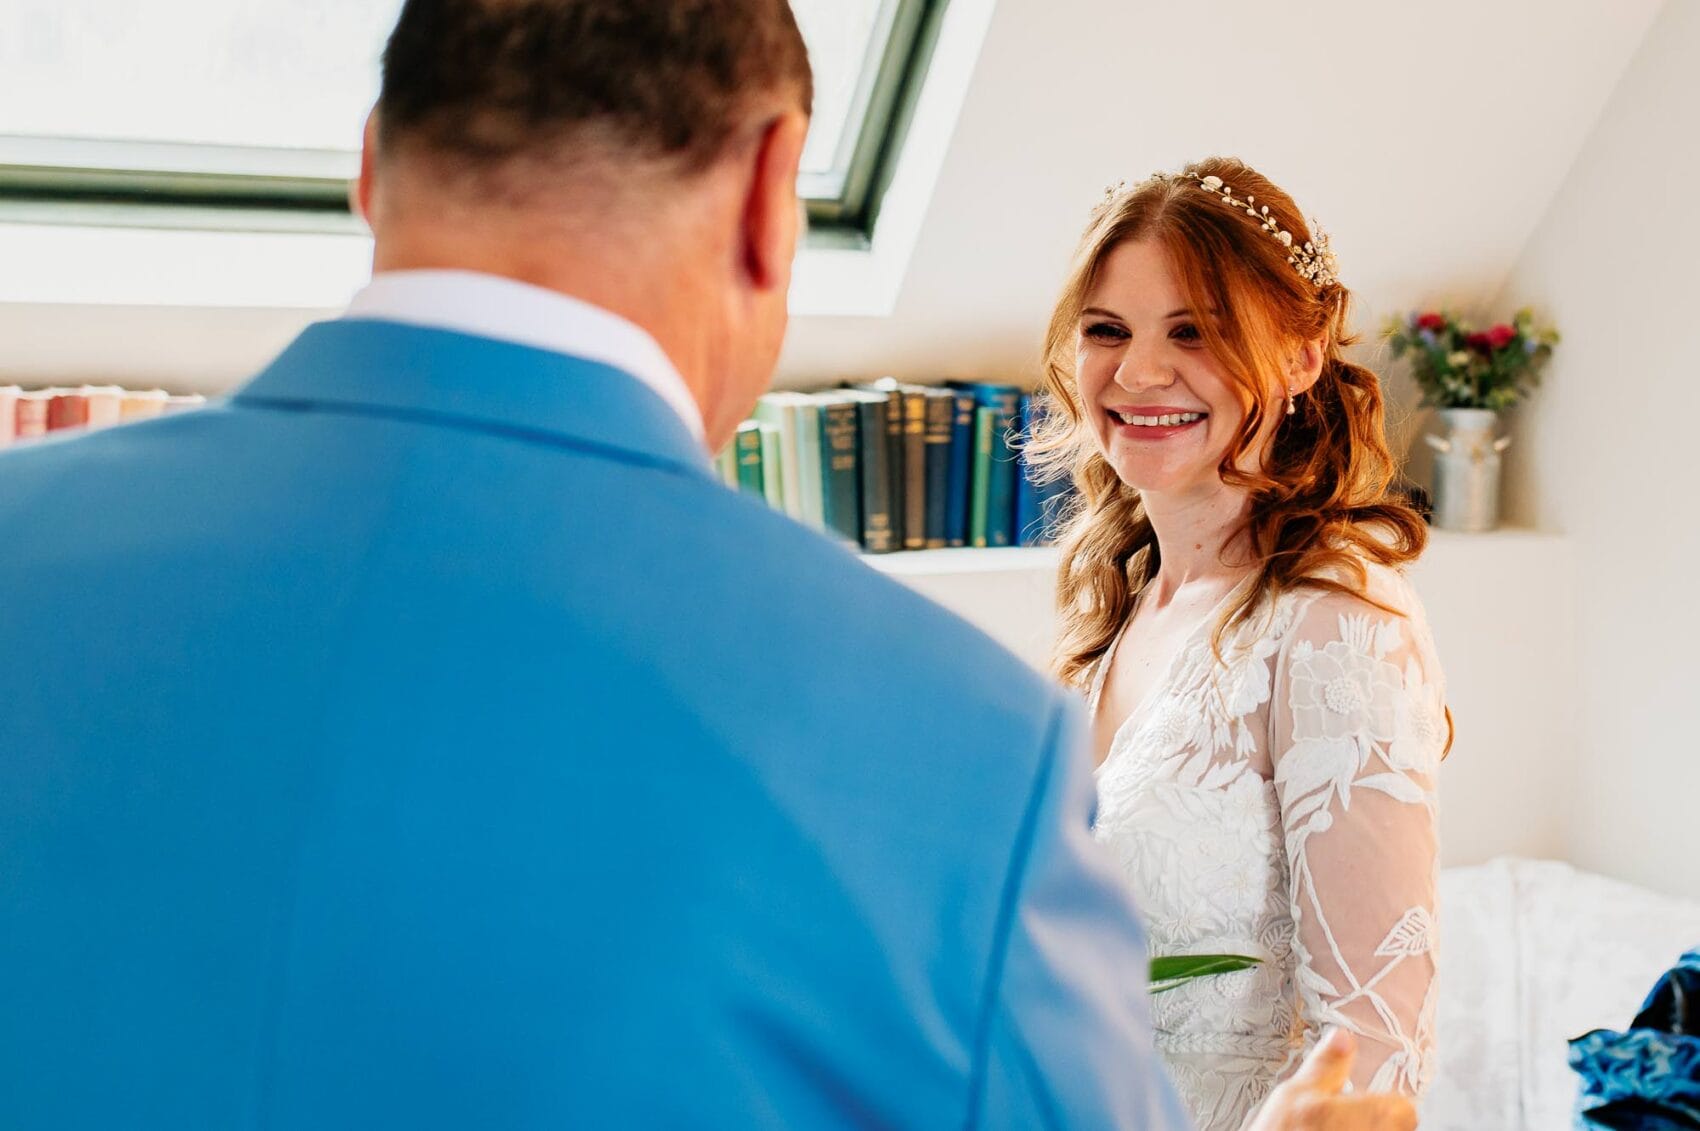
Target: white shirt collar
{"points": [[490, 306]]}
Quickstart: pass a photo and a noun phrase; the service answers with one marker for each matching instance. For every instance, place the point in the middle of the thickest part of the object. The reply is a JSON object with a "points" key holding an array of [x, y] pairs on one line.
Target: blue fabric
{"points": [[423, 738], [1648, 1078]]}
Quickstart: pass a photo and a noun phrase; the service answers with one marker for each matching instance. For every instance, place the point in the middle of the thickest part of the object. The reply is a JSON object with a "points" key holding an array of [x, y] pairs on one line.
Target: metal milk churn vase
{"points": [[1466, 470]]}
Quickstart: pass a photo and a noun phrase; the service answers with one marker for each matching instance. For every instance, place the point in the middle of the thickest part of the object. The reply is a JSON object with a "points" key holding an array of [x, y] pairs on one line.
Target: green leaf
{"points": [[1175, 970]]}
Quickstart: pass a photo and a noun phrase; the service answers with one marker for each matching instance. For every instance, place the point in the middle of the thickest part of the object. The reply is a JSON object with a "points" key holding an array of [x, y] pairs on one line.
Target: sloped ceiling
{"points": [[1428, 140]]}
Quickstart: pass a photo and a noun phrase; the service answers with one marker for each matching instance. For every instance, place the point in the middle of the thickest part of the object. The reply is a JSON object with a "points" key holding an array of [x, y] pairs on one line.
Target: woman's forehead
{"points": [[1137, 274]]}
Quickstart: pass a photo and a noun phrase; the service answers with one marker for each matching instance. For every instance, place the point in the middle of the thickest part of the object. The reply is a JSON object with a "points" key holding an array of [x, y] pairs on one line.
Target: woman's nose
{"points": [[1142, 367]]}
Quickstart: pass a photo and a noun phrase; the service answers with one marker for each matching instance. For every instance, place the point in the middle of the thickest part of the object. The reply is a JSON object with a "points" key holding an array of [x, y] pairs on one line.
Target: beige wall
{"points": [[1607, 453], [1499, 606]]}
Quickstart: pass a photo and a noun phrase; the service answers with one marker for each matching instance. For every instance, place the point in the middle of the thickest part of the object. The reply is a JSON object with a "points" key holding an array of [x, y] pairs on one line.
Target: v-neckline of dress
{"points": [[1101, 677]]}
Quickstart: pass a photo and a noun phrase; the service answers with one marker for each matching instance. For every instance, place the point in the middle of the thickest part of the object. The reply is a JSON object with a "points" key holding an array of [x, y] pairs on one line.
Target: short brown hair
{"points": [[487, 81]]}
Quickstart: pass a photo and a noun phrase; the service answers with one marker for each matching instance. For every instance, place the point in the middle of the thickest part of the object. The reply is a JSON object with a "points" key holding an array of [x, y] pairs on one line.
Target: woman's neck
{"points": [[1200, 539]]}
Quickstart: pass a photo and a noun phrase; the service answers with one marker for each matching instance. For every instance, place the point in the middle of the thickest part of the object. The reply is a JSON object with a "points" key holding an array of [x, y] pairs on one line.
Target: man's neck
{"points": [[629, 281]]}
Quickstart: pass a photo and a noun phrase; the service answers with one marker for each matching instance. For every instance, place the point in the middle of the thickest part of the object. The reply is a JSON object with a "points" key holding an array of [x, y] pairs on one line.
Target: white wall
{"points": [[1427, 142], [1499, 606], [1607, 454], [1431, 143]]}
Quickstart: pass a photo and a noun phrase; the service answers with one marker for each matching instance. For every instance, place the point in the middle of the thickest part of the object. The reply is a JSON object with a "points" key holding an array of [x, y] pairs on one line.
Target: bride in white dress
{"points": [[1267, 706]]}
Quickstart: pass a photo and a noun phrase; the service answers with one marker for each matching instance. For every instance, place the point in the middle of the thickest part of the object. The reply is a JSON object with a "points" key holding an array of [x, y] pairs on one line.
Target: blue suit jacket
{"points": [[424, 738]]}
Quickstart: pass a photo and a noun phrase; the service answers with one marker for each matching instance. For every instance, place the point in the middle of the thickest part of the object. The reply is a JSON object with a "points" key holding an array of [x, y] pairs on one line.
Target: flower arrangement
{"points": [[1458, 367]]}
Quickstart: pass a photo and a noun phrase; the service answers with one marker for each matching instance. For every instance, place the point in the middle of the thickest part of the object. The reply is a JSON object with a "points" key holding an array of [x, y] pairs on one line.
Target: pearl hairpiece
{"points": [[1314, 260]]}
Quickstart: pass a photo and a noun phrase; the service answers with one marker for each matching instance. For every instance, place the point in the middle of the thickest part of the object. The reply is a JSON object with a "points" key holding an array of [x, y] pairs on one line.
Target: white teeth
{"points": [[1160, 421]]}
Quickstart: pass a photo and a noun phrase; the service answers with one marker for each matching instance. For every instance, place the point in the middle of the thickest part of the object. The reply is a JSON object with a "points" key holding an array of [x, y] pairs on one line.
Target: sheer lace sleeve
{"points": [[1357, 728]]}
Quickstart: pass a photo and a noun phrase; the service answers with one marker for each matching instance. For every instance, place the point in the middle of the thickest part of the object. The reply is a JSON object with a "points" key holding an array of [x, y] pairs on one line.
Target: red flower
{"points": [[1431, 322], [1500, 336], [1478, 342]]}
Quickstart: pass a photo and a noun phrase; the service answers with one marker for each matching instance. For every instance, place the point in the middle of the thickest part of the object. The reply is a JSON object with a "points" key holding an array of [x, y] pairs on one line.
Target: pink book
{"points": [[32, 413], [67, 408]]}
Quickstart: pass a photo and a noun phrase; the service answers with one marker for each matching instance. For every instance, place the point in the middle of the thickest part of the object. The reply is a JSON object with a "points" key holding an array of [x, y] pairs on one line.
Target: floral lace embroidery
{"points": [[1280, 804]]}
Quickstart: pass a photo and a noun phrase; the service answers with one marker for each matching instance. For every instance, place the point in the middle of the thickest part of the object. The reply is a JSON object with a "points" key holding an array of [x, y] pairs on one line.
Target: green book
{"points": [[894, 454], [748, 449], [985, 436], [772, 468], [841, 470], [872, 452]]}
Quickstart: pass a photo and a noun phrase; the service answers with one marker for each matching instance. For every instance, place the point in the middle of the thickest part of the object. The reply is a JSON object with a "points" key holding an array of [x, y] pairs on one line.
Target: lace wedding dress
{"points": [[1279, 803]]}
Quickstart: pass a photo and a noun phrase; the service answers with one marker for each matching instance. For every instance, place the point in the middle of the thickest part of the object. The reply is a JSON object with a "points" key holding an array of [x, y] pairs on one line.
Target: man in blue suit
{"points": [[424, 738]]}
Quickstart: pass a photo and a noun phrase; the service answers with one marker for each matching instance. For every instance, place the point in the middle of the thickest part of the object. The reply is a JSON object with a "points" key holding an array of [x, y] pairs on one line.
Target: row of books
{"points": [[891, 466], [27, 413]]}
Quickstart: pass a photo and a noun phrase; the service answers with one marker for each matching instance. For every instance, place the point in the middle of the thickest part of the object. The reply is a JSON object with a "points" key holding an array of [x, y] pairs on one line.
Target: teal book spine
{"points": [[1005, 400], [985, 430], [840, 441], [747, 447]]}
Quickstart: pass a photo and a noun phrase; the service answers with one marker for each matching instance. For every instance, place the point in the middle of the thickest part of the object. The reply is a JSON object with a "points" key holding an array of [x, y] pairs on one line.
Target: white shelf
{"points": [[1443, 544], [1502, 609], [933, 563]]}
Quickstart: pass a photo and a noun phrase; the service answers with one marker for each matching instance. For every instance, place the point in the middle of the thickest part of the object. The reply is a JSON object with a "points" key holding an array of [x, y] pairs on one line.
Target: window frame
{"points": [[66, 181]]}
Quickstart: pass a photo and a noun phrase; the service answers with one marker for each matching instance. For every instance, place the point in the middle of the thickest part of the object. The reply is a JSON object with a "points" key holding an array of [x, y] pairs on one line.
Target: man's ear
{"points": [[360, 192], [771, 216]]}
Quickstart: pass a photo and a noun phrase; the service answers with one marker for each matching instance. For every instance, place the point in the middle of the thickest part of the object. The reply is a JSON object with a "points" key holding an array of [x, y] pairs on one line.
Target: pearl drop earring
{"points": [[1291, 407]]}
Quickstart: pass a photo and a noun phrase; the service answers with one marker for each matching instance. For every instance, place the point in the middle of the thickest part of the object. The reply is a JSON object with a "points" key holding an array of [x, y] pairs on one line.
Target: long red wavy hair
{"points": [[1321, 498]]}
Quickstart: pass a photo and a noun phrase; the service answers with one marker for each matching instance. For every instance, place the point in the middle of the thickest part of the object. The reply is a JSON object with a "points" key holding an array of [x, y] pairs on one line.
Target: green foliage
{"points": [[1167, 973], [1459, 367]]}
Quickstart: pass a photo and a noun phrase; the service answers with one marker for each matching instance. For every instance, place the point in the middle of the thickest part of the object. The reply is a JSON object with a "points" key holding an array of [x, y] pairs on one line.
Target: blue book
{"points": [[1005, 401], [1029, 521], [959, 492], [1038, 506]]}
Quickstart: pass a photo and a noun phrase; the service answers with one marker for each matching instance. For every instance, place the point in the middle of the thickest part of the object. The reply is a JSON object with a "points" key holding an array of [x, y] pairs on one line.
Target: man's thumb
{"points": [[1329, 1064]]}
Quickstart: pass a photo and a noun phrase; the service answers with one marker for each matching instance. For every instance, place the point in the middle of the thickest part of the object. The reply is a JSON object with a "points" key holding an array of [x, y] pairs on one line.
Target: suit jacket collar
{"points": [[459, 380]]}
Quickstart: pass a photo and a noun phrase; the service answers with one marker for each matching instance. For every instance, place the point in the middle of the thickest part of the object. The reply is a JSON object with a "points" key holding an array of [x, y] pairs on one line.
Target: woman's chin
{"points": [[1149, 480]]}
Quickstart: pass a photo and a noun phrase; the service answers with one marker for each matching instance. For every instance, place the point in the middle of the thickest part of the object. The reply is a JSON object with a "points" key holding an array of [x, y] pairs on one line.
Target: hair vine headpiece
{"points": [[1313, 260]]}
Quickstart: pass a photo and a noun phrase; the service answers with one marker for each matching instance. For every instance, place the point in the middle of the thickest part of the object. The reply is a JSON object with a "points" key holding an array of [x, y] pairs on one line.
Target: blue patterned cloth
{"points": [[1648, 1078]]}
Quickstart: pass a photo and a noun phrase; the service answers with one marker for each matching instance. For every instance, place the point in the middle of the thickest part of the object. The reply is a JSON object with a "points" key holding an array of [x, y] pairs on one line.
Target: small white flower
{"points": [[1213, 183], [1458, 359]]}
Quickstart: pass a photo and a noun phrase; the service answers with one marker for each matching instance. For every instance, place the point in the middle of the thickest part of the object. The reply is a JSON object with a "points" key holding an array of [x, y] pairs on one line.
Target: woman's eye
{"points": [[1106, 332], [1186, 332]]}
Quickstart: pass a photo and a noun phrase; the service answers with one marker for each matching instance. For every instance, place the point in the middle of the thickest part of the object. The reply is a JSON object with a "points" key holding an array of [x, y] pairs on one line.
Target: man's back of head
{"points": [[638, 154]]}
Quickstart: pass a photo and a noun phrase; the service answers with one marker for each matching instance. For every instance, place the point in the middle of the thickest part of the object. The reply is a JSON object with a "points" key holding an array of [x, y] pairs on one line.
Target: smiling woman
{"points": [[1286, 421], [1266, 704]]}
